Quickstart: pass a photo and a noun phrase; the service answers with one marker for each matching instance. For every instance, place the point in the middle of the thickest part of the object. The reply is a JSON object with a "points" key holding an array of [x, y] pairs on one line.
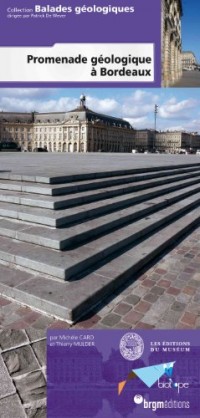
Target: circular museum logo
{"points": [[131, 346]]}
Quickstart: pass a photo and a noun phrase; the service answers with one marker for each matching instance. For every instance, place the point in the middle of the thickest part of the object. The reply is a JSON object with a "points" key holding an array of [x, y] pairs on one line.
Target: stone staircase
{"points": [[68, 242]]}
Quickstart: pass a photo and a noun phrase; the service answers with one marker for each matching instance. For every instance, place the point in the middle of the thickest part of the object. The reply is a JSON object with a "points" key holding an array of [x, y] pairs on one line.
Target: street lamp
{"points": [[155, 121]]}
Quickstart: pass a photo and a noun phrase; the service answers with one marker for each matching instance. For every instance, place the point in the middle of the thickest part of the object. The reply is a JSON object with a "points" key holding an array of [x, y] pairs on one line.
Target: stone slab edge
{"points": [[85, 176], [73, 313]]}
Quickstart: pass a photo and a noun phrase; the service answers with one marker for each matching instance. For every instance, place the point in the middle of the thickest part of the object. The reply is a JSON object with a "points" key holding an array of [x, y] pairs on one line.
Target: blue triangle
{"points": [[149, 375]]}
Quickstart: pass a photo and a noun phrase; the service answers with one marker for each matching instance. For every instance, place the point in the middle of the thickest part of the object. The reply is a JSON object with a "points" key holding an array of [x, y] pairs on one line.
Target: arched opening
{"points": [[70, 147]]}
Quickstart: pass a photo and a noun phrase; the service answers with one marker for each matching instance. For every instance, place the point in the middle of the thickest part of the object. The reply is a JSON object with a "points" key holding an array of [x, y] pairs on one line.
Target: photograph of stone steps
{"points": [[69, 241]]}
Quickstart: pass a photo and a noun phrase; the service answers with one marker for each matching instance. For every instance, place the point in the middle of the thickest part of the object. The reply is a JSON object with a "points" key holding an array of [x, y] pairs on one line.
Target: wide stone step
{"points": [[64, 238], [68, 264], [71, 300], [77, 214], [60, 202], [25, 187], [88, 176]]}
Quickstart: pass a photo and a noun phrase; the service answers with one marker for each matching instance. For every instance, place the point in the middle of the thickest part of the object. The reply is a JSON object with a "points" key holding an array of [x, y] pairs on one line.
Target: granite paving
{"points": [[164, 295], [54, 164], [22, 373], [94, 246]]}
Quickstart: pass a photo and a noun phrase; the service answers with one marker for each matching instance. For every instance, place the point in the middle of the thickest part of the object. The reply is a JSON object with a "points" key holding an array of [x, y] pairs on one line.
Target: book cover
{"points": [[99, 208]]}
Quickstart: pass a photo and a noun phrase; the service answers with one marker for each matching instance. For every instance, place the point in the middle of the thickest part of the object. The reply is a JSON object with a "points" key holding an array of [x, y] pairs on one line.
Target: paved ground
{"points": [[189, 79], [51, 164], [167, 295], [22, 374]]}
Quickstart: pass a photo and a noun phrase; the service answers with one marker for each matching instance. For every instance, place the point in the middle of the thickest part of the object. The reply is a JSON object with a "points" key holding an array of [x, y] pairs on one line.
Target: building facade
{"points": [[144, 139], [175, 141], [17, 128], [171, 41], [80, 130], [194, 141], [189, 60]]}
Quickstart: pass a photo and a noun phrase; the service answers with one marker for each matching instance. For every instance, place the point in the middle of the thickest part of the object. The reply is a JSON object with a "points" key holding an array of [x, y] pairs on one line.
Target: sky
{"points": [[178, 109], [191, 26]]}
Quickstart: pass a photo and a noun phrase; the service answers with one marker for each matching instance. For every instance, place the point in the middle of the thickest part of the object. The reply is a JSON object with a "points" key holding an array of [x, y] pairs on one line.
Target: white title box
{"points": [[78, 63]]}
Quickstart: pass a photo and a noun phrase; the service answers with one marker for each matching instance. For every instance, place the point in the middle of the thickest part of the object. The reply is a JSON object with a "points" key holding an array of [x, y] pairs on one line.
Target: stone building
{"points": [[194, 141], [189, 60], [171, 41], [144, 139], [80, 130], [175, 141], [17, 127]]}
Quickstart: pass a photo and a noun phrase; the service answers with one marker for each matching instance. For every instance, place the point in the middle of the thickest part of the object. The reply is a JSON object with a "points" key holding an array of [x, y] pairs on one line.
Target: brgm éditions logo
{"points": [[151, 374], [131, 346]]}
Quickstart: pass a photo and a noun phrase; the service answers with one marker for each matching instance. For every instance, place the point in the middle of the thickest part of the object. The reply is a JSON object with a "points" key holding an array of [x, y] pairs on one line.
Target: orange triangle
{"points": [[121, 386]]}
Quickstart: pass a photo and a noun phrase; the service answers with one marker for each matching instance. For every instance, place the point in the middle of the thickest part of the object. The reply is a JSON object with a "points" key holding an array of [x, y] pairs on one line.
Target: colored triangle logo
{"points": [[149, 375], [121, 386]]}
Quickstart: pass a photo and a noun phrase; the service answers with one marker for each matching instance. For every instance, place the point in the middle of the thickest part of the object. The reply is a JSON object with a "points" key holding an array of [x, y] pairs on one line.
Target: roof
{"points": [[81, 113], [16, 117], [92, 116]]}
